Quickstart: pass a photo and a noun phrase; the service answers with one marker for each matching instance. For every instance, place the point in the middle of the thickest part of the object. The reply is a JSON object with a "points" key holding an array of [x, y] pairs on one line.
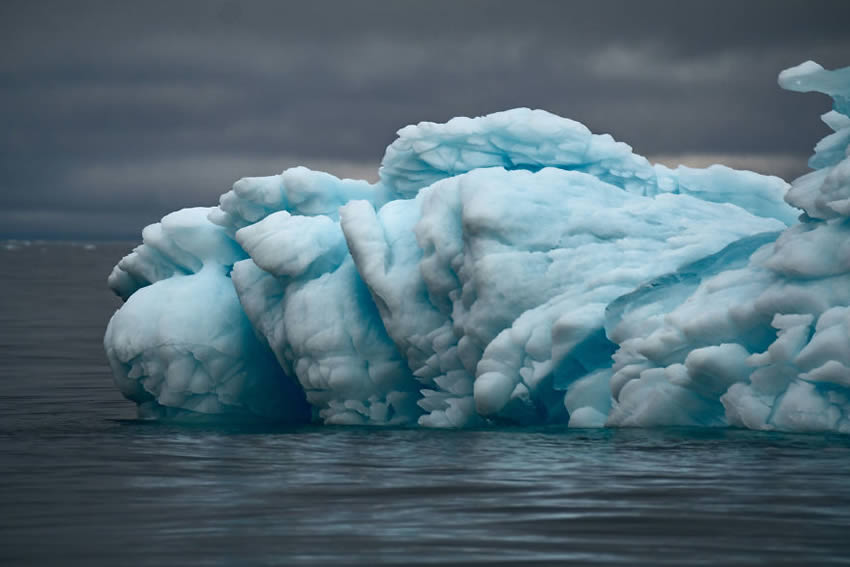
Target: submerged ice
{"points": [[511, 268]]}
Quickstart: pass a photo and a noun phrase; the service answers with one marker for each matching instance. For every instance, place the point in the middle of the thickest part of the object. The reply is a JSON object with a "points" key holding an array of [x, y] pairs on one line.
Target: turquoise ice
{"points": [[766, 344], [511, 268]]}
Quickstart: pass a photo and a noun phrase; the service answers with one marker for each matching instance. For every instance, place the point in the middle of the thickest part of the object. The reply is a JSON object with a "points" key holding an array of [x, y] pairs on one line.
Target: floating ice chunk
{"points": [[508, 268]]}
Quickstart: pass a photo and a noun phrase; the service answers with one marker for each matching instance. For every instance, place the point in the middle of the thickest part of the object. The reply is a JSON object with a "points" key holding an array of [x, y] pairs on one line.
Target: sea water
{"points": [[82, 482]]}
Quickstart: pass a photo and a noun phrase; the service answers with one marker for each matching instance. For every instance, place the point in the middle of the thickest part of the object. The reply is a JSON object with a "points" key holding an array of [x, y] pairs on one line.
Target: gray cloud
{"points": [[134, 109]]}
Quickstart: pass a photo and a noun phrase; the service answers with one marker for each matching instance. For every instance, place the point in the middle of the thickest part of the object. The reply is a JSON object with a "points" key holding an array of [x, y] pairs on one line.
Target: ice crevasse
{"points": [[512, 268]]}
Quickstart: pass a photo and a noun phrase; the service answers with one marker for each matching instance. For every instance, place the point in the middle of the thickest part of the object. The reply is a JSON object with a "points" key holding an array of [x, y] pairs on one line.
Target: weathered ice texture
{"points": [[511, 268]]}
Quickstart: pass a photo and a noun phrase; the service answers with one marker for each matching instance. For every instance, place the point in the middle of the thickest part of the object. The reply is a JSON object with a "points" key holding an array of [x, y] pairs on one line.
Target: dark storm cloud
{"points": [[124, 111]]}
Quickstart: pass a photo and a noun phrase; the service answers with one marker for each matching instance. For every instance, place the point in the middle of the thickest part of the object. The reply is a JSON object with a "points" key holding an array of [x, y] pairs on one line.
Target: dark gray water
{"points": [[83, 483]]}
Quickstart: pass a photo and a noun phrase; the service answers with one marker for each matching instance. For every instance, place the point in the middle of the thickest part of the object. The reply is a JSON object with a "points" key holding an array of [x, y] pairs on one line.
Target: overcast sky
{"points": [[115, 113]]}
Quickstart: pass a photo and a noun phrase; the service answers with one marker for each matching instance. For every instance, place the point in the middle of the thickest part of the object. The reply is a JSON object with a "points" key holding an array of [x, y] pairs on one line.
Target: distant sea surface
{"points": [[82, 482]]}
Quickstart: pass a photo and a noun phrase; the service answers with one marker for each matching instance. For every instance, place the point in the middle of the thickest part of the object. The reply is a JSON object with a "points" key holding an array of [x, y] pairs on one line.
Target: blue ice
{"points": [[511, 268]]}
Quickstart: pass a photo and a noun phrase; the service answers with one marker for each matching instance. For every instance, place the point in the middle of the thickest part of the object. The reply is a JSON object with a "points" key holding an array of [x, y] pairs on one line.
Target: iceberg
{"points": [[513, 268]]}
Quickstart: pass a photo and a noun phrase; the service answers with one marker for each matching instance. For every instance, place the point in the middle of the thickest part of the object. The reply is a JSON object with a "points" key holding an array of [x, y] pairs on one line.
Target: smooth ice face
{"points": [[512, 268]]}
